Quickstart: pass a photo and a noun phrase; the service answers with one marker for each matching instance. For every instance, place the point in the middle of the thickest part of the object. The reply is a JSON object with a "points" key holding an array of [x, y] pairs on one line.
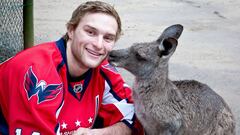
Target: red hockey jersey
{"points": [[38, 96]]}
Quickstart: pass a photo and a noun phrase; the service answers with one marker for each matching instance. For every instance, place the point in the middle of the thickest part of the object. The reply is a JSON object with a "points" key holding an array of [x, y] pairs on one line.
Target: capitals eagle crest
{"points": [[40, 88]]}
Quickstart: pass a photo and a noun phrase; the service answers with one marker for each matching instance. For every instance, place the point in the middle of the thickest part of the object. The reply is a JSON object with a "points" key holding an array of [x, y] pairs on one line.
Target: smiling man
{"points": [[67, 86], [90, 42]]}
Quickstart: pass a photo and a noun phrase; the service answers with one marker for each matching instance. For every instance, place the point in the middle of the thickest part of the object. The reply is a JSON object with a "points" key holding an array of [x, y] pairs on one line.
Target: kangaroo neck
{"points": [[159, 74], [156, 79]]}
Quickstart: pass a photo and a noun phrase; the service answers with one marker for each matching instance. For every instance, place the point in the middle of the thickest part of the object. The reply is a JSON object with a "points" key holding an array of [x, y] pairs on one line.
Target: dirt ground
{"points": [[208, 50]]}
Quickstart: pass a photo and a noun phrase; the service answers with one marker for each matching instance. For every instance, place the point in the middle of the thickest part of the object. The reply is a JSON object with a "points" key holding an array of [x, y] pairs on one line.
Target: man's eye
{"points": [[90, 32], [109, 38]]}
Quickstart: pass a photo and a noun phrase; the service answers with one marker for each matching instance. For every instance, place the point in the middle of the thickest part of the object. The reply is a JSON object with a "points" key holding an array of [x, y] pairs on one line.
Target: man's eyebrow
{"points": [[88, 26], [110, 34], [93, 28]]}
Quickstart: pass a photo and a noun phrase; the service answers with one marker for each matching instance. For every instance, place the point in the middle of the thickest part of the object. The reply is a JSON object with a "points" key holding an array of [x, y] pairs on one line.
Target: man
{"points": [[67, 86]]}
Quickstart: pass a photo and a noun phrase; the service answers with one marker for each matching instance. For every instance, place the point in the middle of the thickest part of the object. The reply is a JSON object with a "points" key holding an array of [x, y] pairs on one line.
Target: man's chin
{"points": [[94, 64], [91, 63]]}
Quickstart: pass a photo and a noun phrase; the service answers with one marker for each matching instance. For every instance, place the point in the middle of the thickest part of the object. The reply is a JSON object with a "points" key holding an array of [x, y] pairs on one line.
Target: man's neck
{"points": [[75, 68]]}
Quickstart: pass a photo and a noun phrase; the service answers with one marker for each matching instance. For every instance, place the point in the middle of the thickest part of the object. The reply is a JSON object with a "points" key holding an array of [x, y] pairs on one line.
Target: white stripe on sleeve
{"points": [[127, 109]]}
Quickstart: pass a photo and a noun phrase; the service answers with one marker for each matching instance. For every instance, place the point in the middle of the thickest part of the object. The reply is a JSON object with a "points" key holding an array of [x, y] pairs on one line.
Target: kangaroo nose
{"points": [[112, 54]]}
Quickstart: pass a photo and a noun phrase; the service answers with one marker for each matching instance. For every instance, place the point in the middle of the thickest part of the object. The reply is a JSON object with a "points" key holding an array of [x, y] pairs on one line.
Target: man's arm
{"points": [[117, 129]]}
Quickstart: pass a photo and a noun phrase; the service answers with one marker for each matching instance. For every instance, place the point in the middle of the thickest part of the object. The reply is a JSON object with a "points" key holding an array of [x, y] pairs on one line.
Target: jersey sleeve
{"points": [[30, 95], [117, 104]]}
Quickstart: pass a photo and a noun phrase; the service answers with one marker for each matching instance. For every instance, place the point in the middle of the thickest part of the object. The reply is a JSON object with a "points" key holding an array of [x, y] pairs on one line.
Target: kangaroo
{"points": [[166, 107]]}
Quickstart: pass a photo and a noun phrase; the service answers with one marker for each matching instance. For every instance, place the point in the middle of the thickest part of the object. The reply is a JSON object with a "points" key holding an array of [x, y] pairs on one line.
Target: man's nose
{"points": [[99, 42]]}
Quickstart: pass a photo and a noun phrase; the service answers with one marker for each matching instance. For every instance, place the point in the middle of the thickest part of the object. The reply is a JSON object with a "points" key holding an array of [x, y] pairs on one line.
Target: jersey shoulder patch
{"points": [[109, 67], [40, 88]]}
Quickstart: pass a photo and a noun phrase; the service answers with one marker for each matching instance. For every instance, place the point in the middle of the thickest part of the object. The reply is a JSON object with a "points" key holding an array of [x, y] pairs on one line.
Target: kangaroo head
{"points": [[141, 59]]}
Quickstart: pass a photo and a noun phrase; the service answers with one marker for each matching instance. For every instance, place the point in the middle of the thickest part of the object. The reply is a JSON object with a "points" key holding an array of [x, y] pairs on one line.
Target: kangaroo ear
{"points": [[167, 47], [173, 31]]}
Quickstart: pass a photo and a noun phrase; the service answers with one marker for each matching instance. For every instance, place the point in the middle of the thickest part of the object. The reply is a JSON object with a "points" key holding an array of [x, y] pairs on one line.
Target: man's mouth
{"points": [[93, 52]]}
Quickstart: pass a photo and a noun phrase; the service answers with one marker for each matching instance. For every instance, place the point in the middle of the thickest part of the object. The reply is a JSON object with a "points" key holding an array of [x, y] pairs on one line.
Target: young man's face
{"points": [[93, 39]]}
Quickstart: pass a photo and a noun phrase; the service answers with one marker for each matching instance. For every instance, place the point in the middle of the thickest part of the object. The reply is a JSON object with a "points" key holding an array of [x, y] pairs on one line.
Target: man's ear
{"points": [[70, 32]]}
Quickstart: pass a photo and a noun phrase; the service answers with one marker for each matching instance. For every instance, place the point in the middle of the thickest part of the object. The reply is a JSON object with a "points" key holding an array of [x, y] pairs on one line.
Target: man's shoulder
{"points": [[41, 56], [43, 48], [110, 73], [108, 68]]}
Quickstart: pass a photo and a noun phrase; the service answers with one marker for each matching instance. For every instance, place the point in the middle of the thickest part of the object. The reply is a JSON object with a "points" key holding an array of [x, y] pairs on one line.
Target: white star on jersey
{"points": [[64, 125], [90, 120], [78, 123]]}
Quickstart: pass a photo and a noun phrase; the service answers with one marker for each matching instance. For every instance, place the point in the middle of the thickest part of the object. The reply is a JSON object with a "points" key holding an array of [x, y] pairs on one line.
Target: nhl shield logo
{"points": [[77, 88]]}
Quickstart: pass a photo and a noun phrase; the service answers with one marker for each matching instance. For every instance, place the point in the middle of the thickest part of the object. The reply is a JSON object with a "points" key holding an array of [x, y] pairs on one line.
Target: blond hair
{"points": [[93, 7]]}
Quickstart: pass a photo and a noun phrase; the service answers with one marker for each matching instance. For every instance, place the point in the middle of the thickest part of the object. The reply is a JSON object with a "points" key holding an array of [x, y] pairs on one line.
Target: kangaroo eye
{"points": [[139, 57]]}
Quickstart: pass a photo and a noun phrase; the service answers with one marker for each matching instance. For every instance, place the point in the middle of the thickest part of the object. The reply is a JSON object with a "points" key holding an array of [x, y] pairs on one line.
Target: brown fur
{"points": [[166, 107]]}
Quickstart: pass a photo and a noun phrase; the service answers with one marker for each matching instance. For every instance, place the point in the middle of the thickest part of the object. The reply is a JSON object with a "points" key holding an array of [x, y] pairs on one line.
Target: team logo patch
{"points": [[77, 88], [40, 88], [110, 67]]}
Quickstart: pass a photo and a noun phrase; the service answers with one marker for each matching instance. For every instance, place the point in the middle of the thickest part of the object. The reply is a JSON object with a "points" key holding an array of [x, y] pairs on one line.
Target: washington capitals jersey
{"points": [[38, 96]]}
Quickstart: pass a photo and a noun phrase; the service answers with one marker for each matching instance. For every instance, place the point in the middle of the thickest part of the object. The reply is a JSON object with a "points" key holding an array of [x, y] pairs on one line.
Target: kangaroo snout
{"points": [[115, 57]]}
